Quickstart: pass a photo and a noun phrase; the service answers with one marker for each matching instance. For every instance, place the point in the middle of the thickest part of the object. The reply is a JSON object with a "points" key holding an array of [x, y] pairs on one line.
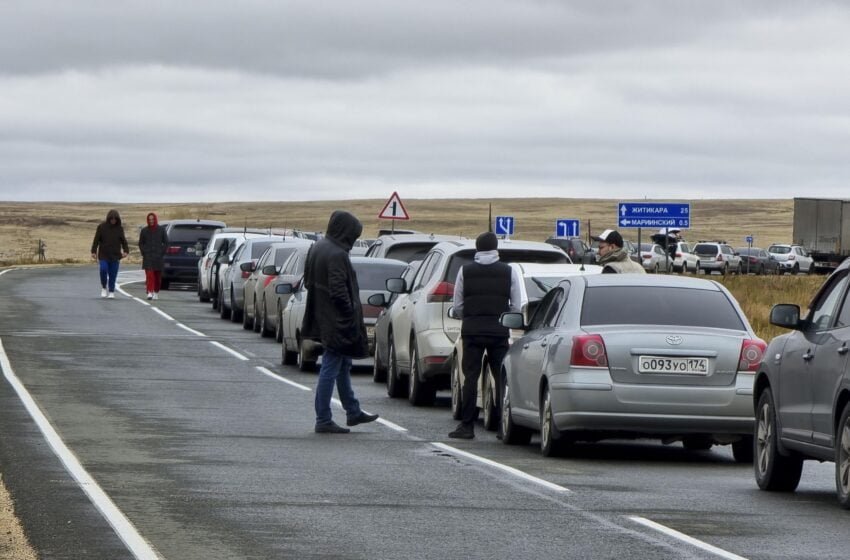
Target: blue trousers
{"points": [[335, 370], [108, 273]]}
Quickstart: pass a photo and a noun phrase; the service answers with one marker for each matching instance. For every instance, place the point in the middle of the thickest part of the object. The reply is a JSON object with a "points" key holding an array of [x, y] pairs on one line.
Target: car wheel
{"points": [[697, 443], [551, 442], [278, 328], [773, 471], [264, 324], [510, 433], [743, 450], [419, 392], [287, 356], [302, 360], [725, 270], [796, 269], [696, 270], [457, 395], [842, 459], [223, 310], [396, 387], [235, 314], [740, 270], [248, 322], [214, 298], [657, 268], [488, 403], [379, 370]]}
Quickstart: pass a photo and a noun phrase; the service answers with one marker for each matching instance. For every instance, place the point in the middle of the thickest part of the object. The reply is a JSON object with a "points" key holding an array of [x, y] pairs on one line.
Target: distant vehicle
{"points": [[802, 393], [757, 261], [719, 256], [406, 247], [291, 272], [684, 260], [654, 259], [218, 244], [822, 227], [240, 266], [359, 248], [575, 248], [612, 355], [791, 258], [391, 306], [186, 242]]}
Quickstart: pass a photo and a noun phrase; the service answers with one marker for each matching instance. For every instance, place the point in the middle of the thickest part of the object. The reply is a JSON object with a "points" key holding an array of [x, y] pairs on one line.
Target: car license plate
{"points": [[370, 333], [684, 366]]}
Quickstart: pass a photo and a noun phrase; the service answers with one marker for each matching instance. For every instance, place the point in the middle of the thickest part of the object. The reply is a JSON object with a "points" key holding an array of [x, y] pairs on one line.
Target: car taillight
{"points": [[173, 250], [589, 350], [678, 255], [754, 260], [752, 352], [442, 293], [646, 256], [719, 257], [370, 311], [790, 257]]}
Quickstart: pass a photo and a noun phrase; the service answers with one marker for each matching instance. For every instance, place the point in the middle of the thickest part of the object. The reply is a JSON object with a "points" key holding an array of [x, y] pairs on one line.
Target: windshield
{"points": [[537, 286], [190, 233], [779, 250], [506, 256], [409, 251], [374, 276], [281, 254], [705, 250]]}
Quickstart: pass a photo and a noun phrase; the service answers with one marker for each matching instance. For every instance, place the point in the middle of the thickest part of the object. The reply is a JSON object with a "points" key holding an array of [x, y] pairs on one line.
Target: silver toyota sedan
{"points": [[626, 355]]}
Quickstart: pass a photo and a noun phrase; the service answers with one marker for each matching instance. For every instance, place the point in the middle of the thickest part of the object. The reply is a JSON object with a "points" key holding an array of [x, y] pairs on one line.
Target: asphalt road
{"points": [[195, 452]]}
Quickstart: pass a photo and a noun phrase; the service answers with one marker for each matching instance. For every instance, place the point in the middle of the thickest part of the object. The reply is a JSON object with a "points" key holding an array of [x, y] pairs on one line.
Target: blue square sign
{"points": [[504, 225]]}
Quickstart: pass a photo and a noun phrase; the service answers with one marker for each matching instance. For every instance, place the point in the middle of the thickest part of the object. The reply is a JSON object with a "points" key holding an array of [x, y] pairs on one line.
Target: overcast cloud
{"points": [[205, 100]]}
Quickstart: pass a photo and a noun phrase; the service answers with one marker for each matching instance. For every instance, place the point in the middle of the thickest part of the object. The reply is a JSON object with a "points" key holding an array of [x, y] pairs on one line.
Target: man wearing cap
{"points": [[484, 289], [612, 257]]}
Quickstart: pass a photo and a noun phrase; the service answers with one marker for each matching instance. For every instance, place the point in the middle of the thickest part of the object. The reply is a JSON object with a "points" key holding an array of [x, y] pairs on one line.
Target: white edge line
{"points": [[279, 378], [2, 272], [163, 313], [391, 425], [143, 302], [683, 537], [193, 331], [228, 350], [134, 541], [504, 468]]}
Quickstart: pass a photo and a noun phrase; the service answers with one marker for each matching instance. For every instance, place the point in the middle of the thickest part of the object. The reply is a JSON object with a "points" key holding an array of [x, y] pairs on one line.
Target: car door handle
{"points": [[808, 356], [843, 350]]}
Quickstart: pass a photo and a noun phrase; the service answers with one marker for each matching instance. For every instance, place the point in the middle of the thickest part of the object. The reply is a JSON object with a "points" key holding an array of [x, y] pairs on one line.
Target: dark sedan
{"points": [[757, 261]]}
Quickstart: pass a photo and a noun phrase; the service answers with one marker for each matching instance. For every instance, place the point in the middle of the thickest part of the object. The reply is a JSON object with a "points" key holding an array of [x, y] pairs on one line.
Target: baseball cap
{"points": [[610, 236]]}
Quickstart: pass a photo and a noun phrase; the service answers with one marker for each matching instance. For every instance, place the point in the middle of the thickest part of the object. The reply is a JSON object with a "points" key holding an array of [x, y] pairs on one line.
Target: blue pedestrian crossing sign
{"points": [[504, 225], [567, 227]]}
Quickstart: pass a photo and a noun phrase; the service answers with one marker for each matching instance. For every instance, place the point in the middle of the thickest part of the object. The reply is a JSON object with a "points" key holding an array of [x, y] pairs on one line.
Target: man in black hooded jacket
{"points": [[333, 315]]}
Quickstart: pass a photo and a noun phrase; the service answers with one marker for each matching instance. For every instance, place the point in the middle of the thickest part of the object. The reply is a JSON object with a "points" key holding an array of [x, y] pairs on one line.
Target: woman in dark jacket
{"points": [[152, 243], [109, 247]]}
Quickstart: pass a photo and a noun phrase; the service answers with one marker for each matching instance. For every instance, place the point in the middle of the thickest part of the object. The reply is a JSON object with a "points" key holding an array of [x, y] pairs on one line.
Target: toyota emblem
{"points": [[674, 340]]}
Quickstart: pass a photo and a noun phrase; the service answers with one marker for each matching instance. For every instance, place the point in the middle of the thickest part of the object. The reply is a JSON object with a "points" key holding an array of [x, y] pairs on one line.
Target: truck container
{"points": [[822, 226]]}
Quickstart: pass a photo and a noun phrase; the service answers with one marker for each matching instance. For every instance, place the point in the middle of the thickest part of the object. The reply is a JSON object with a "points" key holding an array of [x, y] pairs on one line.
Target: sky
{"points": [[211, 101]]}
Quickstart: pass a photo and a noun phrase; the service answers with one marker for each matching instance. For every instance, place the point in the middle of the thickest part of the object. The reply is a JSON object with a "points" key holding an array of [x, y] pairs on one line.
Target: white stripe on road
{"points": [[504, 468], [391, 425], [143, 302], [228, 350], [283, 379], [685, 538], [136, 544], [163, 313], [193, 331], [2, 272]]}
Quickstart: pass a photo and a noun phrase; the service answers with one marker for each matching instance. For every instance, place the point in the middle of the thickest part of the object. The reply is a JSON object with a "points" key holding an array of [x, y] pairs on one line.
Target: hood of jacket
{"points": [[344, 229], [487, 257], [155, 220], [617, 255], [113, 214]]}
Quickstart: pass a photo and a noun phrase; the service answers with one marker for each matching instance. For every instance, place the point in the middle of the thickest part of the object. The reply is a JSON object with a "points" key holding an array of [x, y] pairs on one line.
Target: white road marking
{"points": [[685, 538], [228, 350], [163, 313], [504, 468], [125, 530], [283, 379], [391, 425], [143, 302], [193, 331], [2, 272]]}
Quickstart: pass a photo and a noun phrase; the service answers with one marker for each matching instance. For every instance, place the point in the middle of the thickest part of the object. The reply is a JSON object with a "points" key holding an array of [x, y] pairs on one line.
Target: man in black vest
{"points": [[484, 290]]}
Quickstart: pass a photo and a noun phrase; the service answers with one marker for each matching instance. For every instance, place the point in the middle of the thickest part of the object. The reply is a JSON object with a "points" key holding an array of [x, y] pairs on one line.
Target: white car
{"points": [[791, 258], [218, 244], [653, 258]]}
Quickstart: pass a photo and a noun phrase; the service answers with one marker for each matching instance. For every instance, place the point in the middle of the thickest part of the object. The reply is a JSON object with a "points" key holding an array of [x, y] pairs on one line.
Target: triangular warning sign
{"points": [[394, 209]]}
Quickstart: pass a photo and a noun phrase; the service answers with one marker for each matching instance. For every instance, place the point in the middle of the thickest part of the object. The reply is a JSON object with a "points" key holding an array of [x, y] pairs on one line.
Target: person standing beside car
{"points": [[153, 243], [612, 257], [334, 316], [484, 289], [108, 248]]}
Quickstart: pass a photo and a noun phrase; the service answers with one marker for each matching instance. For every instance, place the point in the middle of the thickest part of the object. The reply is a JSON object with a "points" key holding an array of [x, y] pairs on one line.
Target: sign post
{"points": [[394, 210], [749, 240]]}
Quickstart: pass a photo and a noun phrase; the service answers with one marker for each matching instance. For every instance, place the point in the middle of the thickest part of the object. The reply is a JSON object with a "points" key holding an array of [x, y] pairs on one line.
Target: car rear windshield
{"points": [[506, 256], [537, 287], [704, 249], [654, 305], [780, 250], [408, 252], [281, 254], [258, 248], [374, 276], [190, 233]]}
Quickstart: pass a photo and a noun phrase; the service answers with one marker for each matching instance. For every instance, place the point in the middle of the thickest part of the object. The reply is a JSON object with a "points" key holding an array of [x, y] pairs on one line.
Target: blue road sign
{"points": [[749, 239], [565, 227], [653, 214], [504, 225]]}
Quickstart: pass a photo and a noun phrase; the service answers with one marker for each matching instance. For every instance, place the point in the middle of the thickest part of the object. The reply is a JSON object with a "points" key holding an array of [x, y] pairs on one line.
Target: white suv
{"points": [[684, 260], [791, 258], [717, 255]]}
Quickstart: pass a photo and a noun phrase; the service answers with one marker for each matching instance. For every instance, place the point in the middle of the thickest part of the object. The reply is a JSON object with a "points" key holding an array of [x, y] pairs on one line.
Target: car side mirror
{"points": [[785, 315], [283, 289], [396, 285], [269, 270], [451, 313], [247, 266], [378, 300], [512, 321]]}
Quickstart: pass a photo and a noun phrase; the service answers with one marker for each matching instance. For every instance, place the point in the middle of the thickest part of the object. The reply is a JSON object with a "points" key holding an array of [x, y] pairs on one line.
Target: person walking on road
{"points": [[109, 247], [612, 257], [484, 289], [153, 243], [334, 316]]}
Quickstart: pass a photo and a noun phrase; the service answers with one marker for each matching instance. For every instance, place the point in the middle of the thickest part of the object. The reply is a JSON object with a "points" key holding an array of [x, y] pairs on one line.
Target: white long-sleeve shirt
{"points": [[488, 257]]}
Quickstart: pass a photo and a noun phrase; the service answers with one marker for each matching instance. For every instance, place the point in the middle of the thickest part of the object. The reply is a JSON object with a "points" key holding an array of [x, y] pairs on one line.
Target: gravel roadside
{"points": [[13, 542]]}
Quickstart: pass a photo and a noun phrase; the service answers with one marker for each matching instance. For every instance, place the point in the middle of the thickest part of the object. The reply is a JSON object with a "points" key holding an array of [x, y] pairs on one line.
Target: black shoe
{"points": [[331, 429], [362, 419], [463, 431]]}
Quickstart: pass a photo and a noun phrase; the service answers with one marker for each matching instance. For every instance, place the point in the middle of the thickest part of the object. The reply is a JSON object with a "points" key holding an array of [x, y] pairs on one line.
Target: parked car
{"points": [[802, 391], [537, 280], [757, 261], [575, 248], [263, 273], [186, 242], [684, 260], [240, 265], [390, 307], [372, 275], [406, 246], [611, 355], [208, 266], [791, 258], [359, 248], [654, 259], [421, 337], [717, 255], [291, 272]]}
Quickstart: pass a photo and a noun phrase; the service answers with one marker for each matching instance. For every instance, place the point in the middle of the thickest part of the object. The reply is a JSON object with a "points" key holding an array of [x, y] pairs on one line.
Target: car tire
{"points": [[774, 471], [301, 360], [457, 385], [697, 443], [419, 392], [657, 268], [743, 450], [235, 314], [740, 269], [490, 408], [396, 386], [552, 443], [214, 298], [510, 433], [247, 322], [379, 371], [223, 310], [264, 324], [725, 270], [287, 356], [203, 297], [842, 459], [796, 269], [697, 270], [278, 329]]}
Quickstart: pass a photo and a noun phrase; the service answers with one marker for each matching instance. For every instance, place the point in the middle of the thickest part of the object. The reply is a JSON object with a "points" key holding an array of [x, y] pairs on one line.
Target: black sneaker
{"points": [[331, 428], [362, 419], [463, 431]]}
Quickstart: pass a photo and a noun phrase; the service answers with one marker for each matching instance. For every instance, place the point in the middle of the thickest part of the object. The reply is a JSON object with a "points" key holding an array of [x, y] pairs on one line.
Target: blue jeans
{"points": [[336, 369], [108, 271]]}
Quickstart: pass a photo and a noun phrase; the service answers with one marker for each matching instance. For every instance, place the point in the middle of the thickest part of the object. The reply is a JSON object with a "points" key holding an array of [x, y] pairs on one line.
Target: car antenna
{"points": [[490, 218], [245, 229]]}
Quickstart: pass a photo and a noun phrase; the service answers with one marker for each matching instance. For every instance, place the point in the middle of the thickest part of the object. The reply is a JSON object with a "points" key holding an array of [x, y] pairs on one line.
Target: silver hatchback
{"points": [[613, 356]]}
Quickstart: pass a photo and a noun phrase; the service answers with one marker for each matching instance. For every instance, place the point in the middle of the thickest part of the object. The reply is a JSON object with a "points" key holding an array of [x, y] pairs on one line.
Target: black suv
{"points": [[802, 391], [186, 242], [575, 248]]}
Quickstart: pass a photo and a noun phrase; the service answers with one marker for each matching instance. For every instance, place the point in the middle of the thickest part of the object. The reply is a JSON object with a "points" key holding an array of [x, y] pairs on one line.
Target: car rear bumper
{"points": [[180, 272]]}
